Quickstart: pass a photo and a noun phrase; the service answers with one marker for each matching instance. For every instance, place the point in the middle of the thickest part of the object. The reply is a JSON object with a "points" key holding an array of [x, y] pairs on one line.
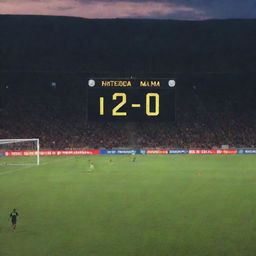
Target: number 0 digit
{"points": [[148, 100]]}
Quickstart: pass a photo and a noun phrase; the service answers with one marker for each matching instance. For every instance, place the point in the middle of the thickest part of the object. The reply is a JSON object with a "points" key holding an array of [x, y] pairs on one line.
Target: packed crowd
{"points": [[201, 122]]}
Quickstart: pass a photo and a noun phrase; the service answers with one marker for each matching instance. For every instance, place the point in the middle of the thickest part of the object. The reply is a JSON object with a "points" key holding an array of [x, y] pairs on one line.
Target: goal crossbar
{"points": [[5, 141]]}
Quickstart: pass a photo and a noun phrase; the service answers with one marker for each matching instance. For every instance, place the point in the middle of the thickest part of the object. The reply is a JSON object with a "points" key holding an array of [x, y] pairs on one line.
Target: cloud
{"points": [[222, 9], [100, 9], [175, 9]]}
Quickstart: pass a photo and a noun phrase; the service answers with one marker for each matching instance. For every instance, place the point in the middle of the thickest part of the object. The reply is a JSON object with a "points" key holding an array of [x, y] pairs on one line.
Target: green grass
{"points": [[159, 205]]}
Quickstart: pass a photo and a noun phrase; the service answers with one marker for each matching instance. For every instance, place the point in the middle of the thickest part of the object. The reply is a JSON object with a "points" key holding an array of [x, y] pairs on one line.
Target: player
{"points": [[91, 166], [133, 157], [14, 216]]}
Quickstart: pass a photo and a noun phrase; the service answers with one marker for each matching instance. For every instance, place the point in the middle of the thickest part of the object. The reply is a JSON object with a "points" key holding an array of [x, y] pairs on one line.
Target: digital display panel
{"points": [[131, 99]]}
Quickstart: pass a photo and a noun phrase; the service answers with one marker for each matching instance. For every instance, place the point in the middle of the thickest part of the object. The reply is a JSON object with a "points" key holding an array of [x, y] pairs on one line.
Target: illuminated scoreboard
{"points": [[131, 99]]}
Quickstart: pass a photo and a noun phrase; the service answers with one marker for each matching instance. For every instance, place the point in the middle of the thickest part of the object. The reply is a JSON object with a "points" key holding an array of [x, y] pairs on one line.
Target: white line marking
{"points": [[28, 167]]}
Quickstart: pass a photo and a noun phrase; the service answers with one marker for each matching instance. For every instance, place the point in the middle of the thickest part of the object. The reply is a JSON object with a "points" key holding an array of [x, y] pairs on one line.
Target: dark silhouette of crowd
{"points": [[205, 118]]}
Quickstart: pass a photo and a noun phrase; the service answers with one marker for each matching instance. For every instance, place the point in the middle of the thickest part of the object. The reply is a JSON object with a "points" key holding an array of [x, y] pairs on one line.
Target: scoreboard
{"points": [[123, 99]]}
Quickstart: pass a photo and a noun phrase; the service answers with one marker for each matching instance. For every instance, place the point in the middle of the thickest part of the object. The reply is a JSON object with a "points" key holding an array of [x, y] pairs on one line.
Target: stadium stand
{"points": [[203, 120]]}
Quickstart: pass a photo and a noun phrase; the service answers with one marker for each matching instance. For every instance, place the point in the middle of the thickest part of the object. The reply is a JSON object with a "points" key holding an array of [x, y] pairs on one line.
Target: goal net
{"points": [[19, 152]]}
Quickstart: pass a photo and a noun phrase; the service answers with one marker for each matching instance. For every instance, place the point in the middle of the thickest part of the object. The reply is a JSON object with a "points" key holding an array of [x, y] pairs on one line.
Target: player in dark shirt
{"points": [[14, 216], [133, 157]]}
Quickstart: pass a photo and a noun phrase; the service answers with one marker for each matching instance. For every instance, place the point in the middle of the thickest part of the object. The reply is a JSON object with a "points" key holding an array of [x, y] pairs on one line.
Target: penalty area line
{"points": [[30, 166]]}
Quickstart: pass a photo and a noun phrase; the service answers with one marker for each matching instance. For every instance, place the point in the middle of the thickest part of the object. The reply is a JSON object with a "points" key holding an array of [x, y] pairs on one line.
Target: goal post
{"points": [[19, 151]]}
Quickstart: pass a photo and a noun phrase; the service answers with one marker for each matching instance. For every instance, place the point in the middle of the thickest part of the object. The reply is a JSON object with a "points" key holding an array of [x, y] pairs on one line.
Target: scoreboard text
{"points": [[131, 99]]}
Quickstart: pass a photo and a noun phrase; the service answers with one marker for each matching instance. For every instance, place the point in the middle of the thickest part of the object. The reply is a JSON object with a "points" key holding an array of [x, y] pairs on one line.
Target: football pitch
{"points": [[162, 205]]}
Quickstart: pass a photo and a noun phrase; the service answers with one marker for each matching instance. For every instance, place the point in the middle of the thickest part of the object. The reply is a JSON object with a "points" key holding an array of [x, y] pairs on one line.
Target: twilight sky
{"points": [[157, 9]]}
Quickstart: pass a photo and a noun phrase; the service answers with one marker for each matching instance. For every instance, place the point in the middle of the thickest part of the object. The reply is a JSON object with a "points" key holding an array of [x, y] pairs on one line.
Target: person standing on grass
{"points": [[91, 166], [133, 157], [14, 216]]}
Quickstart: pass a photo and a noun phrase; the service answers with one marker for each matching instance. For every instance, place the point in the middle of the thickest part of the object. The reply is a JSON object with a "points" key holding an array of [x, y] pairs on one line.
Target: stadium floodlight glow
{"points": [[53, 84], [24, 151]]}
